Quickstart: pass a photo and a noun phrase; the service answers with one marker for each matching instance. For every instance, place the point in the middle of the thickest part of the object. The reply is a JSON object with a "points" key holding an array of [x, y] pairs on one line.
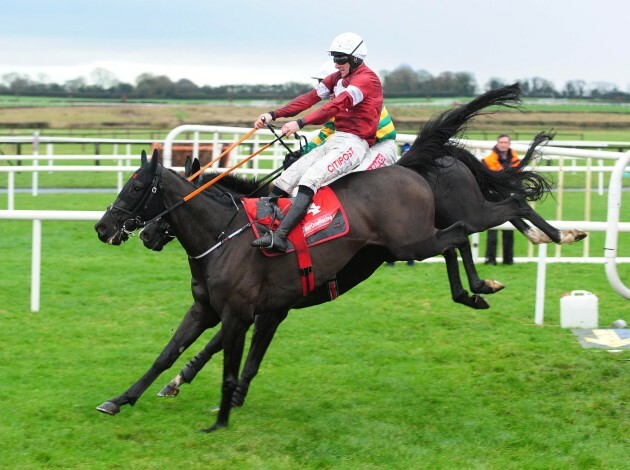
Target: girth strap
{"points": [[304, 260]]}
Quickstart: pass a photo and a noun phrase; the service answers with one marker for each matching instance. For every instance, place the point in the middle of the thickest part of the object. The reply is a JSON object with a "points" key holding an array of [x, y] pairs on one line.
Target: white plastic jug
{"points": [[578, 309]]}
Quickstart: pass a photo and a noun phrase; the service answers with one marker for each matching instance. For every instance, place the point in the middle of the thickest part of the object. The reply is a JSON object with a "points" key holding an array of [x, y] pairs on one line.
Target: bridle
{"points": [[148, 199]]}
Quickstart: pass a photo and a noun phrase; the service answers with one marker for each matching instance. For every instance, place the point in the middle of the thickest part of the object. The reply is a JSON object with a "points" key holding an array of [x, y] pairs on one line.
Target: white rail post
{"points": [[195, 145], [36, 260], [11, 191], [35, 162], [600, 178], [560, 196], [612, 231], [541, 275], [50, 152], [587, 203], [217, 148]]}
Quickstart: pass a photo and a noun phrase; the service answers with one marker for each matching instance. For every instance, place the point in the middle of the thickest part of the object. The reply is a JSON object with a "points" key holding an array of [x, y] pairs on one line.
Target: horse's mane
{"points": [[433, 140], [234, 183]]}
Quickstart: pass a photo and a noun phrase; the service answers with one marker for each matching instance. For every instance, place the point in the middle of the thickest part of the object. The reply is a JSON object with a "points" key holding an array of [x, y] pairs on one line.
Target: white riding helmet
{"points": [[327, 68], [350, 44]]}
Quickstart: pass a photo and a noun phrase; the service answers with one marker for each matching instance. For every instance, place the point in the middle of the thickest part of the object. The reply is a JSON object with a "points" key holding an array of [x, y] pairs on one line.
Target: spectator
{"points": [[501, 158]]}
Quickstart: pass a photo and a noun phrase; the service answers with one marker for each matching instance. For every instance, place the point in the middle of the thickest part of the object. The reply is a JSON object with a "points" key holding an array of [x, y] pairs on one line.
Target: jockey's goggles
{"points": [[341, 59]]}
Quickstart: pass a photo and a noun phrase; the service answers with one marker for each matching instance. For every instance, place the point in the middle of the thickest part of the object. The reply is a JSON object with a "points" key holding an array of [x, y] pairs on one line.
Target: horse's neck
{"points": [[197, 222]]}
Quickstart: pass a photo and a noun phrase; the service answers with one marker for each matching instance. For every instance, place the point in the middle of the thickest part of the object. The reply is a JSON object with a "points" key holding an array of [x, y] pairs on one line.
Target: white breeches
{"points": [[339, 155], [382, 154]]}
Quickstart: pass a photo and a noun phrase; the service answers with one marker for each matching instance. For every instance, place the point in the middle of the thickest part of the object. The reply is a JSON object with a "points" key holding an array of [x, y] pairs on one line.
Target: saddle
{"points": [[324, 221]]}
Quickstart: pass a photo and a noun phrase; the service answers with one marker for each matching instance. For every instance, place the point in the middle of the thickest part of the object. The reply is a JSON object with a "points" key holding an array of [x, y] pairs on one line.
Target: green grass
{"points": [[391, 375]]}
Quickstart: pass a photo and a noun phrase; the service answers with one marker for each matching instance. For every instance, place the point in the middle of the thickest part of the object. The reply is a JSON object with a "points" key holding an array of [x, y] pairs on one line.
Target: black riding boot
{"points": [[278, 239]]}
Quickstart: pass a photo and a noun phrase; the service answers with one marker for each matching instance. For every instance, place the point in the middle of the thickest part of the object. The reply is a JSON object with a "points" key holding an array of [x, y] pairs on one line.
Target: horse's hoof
{"points": [[109, 408], [580, 235], [478, 302], [493, 286], [473, 301], [213, 428], [571, 236], [169, 391], [237, 399]]}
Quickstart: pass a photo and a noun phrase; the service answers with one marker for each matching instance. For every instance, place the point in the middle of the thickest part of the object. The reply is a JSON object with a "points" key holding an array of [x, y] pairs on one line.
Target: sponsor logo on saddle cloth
{"points": [[324, 221]]}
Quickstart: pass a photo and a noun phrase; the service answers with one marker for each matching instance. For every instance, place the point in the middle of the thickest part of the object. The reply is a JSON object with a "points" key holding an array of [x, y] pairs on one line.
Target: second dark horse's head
{"points": [[159, 233]]}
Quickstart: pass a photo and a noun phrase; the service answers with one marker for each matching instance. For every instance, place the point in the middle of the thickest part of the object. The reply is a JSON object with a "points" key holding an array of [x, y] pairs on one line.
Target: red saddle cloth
{"points": [[324, 221]]}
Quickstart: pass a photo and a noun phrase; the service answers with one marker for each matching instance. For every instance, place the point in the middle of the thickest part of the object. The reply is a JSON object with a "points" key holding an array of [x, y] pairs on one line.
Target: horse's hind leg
{"points": [[190, 370], [523, 210], [458, 293], [265, 327], [194, 323], [557, 236], [533, 234]]}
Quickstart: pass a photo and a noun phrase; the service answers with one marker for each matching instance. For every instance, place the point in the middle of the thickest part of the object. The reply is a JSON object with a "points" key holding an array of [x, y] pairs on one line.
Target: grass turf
{"points": [[391, 375]]}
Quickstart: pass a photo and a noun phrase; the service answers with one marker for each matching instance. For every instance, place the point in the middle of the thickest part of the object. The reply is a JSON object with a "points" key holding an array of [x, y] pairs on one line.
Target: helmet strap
{"points": [[355, 62]]}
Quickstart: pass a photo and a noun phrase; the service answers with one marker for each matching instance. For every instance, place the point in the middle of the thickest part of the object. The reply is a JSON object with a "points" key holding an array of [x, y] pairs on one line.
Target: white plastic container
{"points": [[578, 309]]}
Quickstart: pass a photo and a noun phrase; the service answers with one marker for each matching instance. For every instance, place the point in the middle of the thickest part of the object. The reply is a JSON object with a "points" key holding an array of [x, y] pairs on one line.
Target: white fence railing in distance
{"points": [[38, 216], [276, 154], [36, 250]]}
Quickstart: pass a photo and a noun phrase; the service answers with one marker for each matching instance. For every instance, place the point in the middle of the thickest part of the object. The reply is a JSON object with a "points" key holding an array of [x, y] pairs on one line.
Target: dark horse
{"points": [[451, 181], [234, 284]]}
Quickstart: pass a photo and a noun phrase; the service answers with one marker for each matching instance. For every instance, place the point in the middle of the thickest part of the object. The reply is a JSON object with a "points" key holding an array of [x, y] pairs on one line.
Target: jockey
{"points": [[356, 107], [383, 153]]}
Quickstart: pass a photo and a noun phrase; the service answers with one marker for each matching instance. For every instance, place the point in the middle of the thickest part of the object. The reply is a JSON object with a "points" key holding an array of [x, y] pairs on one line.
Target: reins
{"points": [[223, 154], [156, 180], [146, 199]]}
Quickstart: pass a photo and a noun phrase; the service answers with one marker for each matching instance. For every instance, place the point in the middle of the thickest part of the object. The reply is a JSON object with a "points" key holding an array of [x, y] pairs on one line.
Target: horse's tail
{"points": [[499, 185], [433, 139]]}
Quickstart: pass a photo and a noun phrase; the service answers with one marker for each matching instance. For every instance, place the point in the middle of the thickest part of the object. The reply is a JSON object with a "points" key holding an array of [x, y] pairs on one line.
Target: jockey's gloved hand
{"points": [[291, 158]]}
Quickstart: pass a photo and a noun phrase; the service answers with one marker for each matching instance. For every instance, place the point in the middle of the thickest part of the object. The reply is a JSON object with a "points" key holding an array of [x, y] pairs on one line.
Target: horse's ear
{"points": [[143, 158], [154, 161], [196, 166], [188, 166]]}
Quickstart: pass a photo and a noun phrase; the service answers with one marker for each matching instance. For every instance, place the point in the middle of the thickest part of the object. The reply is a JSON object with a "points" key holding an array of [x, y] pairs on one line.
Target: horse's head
{"points": [[137, 202], [159, 232]]}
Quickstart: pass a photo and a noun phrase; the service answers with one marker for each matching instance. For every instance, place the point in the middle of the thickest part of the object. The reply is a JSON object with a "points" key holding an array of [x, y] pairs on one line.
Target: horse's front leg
{"points": [[195, 322], [234, 330], [265, 327], [190, 370]]}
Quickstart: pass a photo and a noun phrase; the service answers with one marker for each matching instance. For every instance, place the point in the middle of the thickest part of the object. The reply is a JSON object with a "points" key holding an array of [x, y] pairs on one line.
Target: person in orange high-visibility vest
{"points": [[501, 157]]}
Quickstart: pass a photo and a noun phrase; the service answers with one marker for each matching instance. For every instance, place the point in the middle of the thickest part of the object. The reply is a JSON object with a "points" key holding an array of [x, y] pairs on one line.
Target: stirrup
{"points": [[277, 243], [264, 244], [270, 200]]}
